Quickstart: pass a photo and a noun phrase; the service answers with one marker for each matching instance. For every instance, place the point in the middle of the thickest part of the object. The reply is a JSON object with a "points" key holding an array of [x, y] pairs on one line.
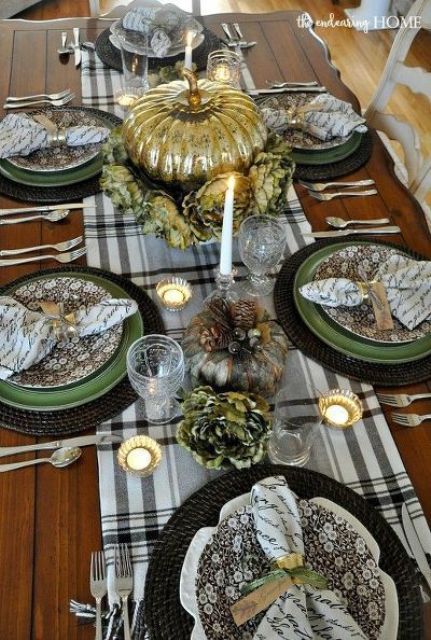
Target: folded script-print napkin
{"points": [[26, 336], [407, 283], [302, 612], [325, 117], [157, 23], [20, 135]]}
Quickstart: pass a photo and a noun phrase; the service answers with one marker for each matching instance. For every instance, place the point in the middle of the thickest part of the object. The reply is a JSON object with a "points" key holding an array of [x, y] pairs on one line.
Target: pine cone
{"points": [[215, 338], [219, 308], [244, 314]]}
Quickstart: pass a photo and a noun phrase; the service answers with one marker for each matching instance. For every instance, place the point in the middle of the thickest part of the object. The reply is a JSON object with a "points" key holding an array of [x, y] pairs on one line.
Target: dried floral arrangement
{"points": [[226, 429]]}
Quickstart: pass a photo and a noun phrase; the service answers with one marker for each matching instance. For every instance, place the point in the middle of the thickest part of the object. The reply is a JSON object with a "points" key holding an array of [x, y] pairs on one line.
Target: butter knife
{"points": [[76, 46], [51, 207], [80, 441], [263, 92], [352, 232], [421, 558]]}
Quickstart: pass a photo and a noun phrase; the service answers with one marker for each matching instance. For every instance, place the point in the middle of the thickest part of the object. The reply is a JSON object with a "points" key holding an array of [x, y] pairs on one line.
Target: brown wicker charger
{"points": [[89, 415], [111, 56], [311, 346], [162, 613], [335, 169], [52, 195]]}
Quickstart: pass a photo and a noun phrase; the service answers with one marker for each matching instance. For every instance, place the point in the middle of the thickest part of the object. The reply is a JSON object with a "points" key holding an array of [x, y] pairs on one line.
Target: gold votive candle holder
{"points": [[340, 408], [139, 455], [174, 293]]}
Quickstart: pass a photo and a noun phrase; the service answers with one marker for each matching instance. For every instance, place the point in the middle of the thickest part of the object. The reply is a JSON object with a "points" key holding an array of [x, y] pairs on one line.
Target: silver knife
{"points": [[415, 545], [51, 207], [352, 232], [80, 441], [76, 46], [296, 89]]}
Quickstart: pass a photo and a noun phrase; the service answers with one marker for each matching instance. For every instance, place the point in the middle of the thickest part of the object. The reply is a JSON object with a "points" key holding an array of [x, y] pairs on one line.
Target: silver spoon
{"points": [[59, 459], [339, 223], [52, 216], [64, 49]]}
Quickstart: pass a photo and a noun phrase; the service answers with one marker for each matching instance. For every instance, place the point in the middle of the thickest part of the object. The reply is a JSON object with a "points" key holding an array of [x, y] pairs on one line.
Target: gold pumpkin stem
{"points": [[194, 96]]}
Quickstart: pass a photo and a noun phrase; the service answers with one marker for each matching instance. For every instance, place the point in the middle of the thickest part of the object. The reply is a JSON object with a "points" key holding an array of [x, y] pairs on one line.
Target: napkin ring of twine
{"points": [[64, 324]]}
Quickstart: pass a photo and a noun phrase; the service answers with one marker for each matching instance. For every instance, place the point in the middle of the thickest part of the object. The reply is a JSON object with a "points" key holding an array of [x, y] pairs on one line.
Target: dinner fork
{"points": [[60, 257], [410, 419], [35, 103], [40, 96], [123, 582], [60, 246], [321, 186], [341, 194], [98, 586], [400, 399], [238, 42]]}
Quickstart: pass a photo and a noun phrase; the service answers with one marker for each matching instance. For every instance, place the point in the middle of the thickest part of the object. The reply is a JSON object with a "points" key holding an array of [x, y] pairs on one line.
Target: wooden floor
{"points": [[360, 57]]}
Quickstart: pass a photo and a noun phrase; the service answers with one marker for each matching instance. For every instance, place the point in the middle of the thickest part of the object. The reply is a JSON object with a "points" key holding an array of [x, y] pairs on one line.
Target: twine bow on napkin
{"points": [[325, 117], [407, 284], [27, 336], [20, 135], [300, 611]]}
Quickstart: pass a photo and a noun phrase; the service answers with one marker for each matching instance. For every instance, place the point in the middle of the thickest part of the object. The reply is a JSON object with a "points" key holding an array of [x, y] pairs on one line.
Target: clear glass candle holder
{"points": [[155, 366], [134, 59], [224, 66]]}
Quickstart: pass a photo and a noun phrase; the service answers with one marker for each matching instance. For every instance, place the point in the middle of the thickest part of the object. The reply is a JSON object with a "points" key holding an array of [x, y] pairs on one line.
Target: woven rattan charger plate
{"points": [[311, 346], [162, 611], [89, 415], [111, 56], [64, 193]]}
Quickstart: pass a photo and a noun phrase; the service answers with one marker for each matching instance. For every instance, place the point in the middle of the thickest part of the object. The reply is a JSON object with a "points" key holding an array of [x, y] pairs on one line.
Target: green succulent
{"points": [[226, 429]]}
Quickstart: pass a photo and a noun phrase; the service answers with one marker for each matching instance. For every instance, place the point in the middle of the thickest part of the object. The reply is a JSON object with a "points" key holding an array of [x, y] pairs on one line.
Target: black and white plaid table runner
{"points": [[134, 510]]}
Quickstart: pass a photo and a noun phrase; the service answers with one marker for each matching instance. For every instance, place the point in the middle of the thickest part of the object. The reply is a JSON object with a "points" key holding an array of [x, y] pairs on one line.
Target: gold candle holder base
{"points": [[139, 455], [340, 408]]}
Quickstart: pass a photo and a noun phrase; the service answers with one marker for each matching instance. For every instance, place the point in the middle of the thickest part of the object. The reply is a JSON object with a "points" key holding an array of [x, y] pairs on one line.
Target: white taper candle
{"points": [[227, 230]]}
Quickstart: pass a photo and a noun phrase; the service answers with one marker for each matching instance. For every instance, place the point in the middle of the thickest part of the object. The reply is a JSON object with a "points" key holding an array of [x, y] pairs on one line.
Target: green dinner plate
{"points": [[335, 336], [327, 156], [52, 179], [91, 388]]}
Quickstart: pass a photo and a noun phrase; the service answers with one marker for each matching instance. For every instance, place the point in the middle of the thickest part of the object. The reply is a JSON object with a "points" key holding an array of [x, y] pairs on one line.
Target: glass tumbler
{"points": [[134, 58], [155, 365], [262, 240], [224, 66], [296, 424]]}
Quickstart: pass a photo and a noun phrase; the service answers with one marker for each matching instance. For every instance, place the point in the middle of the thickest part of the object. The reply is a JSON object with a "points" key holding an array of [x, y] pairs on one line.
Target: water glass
{"points": [[262, 240], [155, 365], [134, 58], [224, 66], [296, 425]]}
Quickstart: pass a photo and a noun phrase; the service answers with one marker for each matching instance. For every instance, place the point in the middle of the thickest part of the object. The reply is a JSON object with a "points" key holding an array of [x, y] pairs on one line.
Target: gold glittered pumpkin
{"points": [[185, 133]]}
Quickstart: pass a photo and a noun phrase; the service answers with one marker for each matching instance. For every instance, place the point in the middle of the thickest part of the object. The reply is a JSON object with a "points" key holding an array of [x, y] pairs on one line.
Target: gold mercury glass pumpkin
{"points": [[188, 132]]}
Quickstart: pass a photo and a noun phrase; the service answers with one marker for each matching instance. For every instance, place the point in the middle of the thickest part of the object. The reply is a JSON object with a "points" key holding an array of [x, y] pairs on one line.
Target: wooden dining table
{"points": [[49, 518]]}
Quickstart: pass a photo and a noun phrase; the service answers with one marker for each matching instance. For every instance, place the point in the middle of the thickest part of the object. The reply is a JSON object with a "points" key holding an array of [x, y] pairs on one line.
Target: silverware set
{"points": [[66, 49], [316, 189], [53, 99], [235, 38], [123, 584], [402, 400], [418, 551]]}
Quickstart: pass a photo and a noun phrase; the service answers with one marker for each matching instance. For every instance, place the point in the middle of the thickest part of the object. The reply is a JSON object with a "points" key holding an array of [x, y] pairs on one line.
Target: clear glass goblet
{"points": [[262, 240], [155, 365]]}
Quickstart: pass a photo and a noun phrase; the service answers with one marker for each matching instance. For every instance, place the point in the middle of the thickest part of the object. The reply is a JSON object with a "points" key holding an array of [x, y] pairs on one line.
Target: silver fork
{"points": [[237, 42], [98, 586], [400, 399], [321, 186], [35, 103], [40, 96], [61, 257], [341, 194], [123, 582], [60, 246], [410, 419]]}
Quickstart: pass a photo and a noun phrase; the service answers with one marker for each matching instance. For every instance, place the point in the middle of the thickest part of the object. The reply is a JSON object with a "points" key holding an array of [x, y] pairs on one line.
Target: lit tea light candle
{"points": [[139, 455], [222, 73], [126, 99], [227, 229], [340, 408], [188, 54], [174, 293]]}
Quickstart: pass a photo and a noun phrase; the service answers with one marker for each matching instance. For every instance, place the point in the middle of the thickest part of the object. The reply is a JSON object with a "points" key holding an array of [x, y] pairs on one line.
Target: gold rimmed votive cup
{"points": [[340, 408], [139, 455], [174, 293]]}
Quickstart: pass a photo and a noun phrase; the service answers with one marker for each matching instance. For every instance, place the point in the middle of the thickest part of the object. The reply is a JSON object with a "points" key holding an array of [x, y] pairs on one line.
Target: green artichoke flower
{"points": [[165, 221], [113, 150], [125, 191], [221, 430]]}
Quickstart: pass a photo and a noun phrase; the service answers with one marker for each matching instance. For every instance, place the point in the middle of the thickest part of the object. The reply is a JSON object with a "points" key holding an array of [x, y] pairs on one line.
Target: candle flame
{"points": [[231, 183]]}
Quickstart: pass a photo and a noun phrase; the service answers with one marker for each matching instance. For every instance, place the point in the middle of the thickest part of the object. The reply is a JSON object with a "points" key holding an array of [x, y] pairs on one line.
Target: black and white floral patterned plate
{"points": [[62, 158], [72, 361], [221, 559], [297, 138], [360, 320]]}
